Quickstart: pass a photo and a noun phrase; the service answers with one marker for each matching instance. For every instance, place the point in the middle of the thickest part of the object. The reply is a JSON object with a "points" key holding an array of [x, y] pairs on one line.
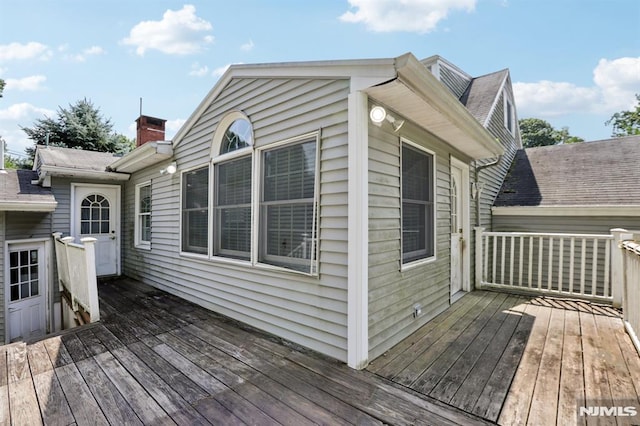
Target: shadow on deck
{"points": [[157, 359], [519, 360]]}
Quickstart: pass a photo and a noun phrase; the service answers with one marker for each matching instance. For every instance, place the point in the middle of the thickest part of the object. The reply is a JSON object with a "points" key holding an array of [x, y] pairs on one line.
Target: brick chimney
{"points": [[149, 129]]}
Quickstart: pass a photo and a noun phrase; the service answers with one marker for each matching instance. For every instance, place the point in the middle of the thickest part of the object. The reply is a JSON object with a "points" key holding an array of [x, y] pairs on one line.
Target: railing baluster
{"points": [[550, 266], [502, 253], [594, 265], [511, 258], [583, 259], [540, 246], [572, 254], [530, 275], [486, 258], [607, 260], [560, 264], [521, 261], [495, 254]]}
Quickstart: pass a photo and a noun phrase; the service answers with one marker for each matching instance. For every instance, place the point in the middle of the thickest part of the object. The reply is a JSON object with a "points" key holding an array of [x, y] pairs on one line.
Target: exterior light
{"points": [[377, 114], [170, 169]]}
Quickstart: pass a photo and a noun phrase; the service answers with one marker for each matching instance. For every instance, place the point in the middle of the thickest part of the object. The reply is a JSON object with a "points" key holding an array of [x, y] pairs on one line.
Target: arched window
{"points": [[232, 153], [94, 215]]}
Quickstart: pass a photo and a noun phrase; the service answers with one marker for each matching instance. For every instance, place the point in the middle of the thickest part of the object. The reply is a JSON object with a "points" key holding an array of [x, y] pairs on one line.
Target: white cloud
{"points": [[31, 83], [172, 127], [178, 33], [81, 57], [23, 111], [13, 117], [198, 71], [247, 46], [419, 16], [615, 84], [18, 51]]}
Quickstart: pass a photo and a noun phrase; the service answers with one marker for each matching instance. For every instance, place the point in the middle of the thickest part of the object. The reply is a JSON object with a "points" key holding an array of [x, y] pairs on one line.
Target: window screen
{"points": [[195, 211]]}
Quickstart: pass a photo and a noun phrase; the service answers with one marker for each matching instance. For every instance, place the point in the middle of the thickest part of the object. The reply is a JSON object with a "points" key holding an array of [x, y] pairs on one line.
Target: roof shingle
{"points": [[599, 173]]}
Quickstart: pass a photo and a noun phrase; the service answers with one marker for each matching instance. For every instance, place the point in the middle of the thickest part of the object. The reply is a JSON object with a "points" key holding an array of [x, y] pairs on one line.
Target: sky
{"points": [[573, 63]]}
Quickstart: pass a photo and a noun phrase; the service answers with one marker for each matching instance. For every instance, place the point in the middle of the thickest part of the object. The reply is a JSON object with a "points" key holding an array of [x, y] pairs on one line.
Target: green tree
{"points": [[81, 126], [626, 123], [1, 87], [537, 132]]}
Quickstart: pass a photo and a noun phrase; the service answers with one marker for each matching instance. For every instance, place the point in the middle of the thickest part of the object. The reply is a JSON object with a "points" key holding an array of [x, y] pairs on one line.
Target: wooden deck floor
{"points": [[517, 360], [156, 359]]}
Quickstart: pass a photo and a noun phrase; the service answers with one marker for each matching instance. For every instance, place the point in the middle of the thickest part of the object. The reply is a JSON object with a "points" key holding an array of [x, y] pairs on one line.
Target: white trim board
{"points": [[577, 210]]}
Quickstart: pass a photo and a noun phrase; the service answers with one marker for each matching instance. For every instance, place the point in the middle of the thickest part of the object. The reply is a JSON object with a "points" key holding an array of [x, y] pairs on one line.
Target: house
{"points": [[588, 187], [329, 203]]}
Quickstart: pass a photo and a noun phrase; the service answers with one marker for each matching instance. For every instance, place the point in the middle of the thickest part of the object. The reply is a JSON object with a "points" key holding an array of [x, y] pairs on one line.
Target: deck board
{"points": [[157, 359], [520, 359]]}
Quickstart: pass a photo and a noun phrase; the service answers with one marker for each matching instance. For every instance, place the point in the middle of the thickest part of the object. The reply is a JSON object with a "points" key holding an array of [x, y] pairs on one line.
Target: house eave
{"points": [[143, 156], [572, 210], [80, 174], [28, 206], [421, 98]]}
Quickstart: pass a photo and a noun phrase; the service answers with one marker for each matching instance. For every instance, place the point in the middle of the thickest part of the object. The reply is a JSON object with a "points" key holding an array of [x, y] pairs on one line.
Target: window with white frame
{"points": [[195, 211], [143, 215], [288, 206], [418, 212], [233, 170]]}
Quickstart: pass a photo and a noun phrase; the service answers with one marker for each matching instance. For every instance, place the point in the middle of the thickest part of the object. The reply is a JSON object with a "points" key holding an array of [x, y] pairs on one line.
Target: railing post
{"points": [[92, 281], [617, 265], [479, 256]]}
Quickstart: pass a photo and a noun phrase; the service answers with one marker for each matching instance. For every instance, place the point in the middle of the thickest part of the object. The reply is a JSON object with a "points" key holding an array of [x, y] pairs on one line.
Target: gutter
{"points": [[478, 188]]}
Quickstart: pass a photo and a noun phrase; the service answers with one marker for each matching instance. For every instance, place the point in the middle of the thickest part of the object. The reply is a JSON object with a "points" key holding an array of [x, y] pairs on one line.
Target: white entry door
{"points": [[96, 213], [459, 227], [26, 291]]}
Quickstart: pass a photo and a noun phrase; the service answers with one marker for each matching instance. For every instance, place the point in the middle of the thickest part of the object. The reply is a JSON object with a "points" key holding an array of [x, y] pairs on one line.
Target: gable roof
{"points": [[69, 162], [403, 84], [599, 173], [482, 94], [18, 193]]}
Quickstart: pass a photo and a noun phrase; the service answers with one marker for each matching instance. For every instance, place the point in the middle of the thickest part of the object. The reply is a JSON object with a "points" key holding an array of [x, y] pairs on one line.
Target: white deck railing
{"points": [[576, 265], [631, 289], [77, 276]]}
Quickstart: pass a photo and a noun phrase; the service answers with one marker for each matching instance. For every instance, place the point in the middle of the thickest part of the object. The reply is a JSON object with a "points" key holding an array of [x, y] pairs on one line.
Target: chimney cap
{"points": [[151, 120]]}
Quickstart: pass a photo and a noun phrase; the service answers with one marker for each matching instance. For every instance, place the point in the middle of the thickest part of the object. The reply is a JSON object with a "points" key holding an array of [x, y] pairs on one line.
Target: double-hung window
{"points": [[195, 211], [232, 192], [143, 215], [418, 227], [288, 206]]}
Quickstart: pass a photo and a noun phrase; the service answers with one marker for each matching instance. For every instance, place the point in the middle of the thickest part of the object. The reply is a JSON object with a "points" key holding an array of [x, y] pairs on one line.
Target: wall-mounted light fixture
{"points": [[170, 169], [378, 114]]}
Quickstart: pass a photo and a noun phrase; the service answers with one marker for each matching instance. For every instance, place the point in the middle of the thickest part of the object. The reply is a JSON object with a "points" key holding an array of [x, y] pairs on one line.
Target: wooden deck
{"points": [[517, 360], [156, 359]]}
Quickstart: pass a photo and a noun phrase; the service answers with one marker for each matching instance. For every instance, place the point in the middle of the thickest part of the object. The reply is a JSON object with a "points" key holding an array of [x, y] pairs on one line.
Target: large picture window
{"points": [[418, 236], [288, 208], [195, 211], [143, 215]]}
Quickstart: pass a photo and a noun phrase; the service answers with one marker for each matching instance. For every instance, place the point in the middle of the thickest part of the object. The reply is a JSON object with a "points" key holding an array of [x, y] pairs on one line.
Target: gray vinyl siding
{"points": [[392, 293], [491, 178], [565, 224], [25, 225], [454, 81], [311, 311]]}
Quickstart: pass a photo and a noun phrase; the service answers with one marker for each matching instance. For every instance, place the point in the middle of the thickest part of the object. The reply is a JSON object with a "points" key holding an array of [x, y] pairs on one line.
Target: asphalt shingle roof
{"points": [[76, 158], [598, 173], [482, 93], [16, 187]]}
